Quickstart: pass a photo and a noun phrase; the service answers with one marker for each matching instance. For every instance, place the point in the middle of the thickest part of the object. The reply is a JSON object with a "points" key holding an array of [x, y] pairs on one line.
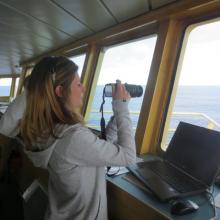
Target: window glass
{"points": [[130, 63], [195, 97], [79, 61], [29, 70], [16, 85], [28, 73], [5, 86]]}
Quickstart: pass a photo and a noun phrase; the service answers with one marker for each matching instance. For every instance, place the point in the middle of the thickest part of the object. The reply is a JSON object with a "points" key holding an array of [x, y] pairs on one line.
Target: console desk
{"points": [[127, 201]]}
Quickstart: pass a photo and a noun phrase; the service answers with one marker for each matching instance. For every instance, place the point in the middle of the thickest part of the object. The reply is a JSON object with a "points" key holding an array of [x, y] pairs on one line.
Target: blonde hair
{"points": [[44, 109]]}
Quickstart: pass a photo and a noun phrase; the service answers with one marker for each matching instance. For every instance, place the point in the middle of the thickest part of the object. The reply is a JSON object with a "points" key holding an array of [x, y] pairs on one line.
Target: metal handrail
{"points": [[211, 122], [109, 112]]}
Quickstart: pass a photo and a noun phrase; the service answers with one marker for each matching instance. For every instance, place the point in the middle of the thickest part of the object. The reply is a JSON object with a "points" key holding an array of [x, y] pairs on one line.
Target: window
{"points": [[16, 85], [5, 86], [28, 72], [130, 62], [195, 98], [79, 61]]}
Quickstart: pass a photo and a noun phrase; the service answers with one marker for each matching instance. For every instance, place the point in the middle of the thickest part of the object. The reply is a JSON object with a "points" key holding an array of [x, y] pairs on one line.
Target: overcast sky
{"points": [[131, 62], [201, 64]]}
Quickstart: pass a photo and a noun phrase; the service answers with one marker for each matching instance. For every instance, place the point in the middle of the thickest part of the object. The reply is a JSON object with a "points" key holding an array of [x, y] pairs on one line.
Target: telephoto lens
{"points": [[134, 90]]}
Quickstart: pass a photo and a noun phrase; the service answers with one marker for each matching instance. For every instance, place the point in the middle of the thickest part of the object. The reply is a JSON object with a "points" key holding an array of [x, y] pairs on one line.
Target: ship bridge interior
{"points": [[33, 29]]}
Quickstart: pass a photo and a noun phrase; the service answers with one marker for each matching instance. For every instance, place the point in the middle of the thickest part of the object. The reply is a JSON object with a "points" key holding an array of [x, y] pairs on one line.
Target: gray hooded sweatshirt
{"points": [[76, 161]]}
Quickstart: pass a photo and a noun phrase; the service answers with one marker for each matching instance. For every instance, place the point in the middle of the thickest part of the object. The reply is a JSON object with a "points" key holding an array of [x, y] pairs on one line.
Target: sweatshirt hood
{"points": [[41, 158]]}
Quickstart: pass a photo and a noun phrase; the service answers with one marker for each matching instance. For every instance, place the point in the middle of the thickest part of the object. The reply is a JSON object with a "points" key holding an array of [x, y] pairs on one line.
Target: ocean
{"points": [[199, 99]]}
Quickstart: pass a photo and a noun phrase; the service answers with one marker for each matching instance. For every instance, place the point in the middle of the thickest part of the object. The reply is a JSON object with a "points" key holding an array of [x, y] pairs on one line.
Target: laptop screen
{"points": [[196, 150]]}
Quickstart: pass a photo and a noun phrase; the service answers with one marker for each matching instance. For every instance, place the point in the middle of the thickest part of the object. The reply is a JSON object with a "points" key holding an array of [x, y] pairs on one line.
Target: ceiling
{"points": [[29, 28]]}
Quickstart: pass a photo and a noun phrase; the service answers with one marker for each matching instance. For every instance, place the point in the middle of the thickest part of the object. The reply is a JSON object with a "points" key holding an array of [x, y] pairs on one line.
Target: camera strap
{"points": [[102, 124], [102, 121]]}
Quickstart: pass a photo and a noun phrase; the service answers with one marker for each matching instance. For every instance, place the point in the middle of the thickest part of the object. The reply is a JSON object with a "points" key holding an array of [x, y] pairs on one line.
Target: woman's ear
{"points": [[59, 91]]}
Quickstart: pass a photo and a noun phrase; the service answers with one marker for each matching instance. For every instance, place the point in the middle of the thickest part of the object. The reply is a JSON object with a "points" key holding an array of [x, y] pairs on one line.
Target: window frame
{"points": [[100, 62], [118, 39], [187, 27]]}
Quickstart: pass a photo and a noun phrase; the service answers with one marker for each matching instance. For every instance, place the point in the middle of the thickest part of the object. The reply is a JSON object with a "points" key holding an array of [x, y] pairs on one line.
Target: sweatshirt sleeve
{"points": [[86, 149], [111, 131], [9, 123]]}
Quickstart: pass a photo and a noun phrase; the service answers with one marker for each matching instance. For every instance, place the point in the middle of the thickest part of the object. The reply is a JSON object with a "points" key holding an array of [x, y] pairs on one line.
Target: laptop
{"points": [[188, 167]]}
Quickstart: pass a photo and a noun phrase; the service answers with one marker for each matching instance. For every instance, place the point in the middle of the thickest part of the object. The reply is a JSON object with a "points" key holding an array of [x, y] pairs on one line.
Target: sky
{"points": [[201, 64], [79, 60], [128, 62], [131, 62]]}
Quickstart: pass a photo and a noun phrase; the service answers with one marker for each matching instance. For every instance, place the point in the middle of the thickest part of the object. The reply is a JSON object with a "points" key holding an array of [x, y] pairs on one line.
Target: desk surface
{"points": [[204, 212]]}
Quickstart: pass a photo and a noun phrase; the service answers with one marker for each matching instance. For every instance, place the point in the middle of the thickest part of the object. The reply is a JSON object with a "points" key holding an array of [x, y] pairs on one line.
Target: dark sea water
{"points": [[200, 99]]}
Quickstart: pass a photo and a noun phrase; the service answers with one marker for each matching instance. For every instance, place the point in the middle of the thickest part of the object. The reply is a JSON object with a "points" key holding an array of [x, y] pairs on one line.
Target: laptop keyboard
{"points": [[173, 177]]}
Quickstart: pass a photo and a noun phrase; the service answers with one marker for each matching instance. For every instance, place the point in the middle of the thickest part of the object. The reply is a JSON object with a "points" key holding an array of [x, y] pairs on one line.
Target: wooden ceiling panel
{"points": [[124, 9], [9, 61], [19, 20], [5, 53], [11, 55], [9, 67], [13, 49], [51, 14], [19, 48], [91, 12], [24, 36], [5, 69], [159, 3], [13, 59]]}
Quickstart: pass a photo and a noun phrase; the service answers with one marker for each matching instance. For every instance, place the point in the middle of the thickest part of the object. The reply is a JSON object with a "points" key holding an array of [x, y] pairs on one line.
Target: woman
{"points": [[56, 139]]}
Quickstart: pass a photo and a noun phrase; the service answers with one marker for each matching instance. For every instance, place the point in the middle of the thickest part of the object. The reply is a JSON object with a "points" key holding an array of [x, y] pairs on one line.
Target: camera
{"points": [[134, 90]]}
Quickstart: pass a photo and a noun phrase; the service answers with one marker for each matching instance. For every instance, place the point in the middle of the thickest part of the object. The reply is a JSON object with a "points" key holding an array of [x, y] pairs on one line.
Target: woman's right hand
{"points": [[119, 92]]}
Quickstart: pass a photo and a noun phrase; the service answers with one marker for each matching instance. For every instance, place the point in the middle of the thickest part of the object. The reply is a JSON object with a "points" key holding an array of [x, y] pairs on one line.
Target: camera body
{"points": [[134, 90]]}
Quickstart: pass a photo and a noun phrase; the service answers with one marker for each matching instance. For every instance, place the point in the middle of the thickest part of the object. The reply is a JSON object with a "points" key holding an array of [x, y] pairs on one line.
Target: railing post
{"points": [[210, 125]]}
